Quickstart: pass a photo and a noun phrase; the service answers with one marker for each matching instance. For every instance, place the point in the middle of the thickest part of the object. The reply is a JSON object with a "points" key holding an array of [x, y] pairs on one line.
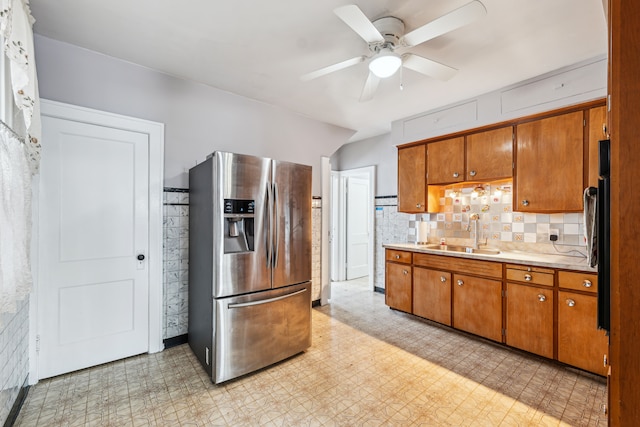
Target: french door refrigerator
{"points": [[249, 262]]}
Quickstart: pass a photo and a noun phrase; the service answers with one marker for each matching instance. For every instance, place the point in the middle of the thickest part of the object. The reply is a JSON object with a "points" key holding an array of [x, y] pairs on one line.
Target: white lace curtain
{"points": [[19, 159]]}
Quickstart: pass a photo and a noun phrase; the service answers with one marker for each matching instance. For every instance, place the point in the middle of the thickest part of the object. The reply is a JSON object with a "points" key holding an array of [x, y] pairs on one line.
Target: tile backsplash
{"points": [[497, 221]]}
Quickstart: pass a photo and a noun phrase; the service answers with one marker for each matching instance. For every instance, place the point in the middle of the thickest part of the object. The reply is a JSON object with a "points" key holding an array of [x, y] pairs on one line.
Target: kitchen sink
{"points": [[464, 249]]}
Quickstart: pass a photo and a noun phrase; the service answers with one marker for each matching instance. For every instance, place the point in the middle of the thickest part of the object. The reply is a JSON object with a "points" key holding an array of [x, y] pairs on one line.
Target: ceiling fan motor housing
{"points": [[391, 29]]}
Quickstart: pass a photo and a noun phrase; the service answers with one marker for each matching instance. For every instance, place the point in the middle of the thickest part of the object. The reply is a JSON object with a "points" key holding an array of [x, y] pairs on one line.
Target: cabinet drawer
{"points": [[578, 281], [450, 263], [398, 256], [539, 276]]}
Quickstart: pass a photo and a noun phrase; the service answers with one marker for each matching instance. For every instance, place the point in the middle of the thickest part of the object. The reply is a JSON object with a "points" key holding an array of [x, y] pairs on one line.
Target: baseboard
{"points": [[174, 341], [378, 290], [17, 405]]}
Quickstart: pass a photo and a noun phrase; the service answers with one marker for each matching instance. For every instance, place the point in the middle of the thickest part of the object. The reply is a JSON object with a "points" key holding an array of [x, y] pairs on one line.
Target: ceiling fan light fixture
{"points": [[385, 64]]}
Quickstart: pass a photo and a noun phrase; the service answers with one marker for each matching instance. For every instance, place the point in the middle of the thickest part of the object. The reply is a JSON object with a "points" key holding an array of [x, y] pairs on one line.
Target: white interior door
{"points": [[357, 227], [93, 292]]}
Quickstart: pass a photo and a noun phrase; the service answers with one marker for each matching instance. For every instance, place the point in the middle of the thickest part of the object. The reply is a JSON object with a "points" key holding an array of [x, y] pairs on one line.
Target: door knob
{"points": [[140, 257]]}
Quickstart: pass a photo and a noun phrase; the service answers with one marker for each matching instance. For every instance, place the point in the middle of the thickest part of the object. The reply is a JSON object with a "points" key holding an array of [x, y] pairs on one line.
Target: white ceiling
{"points": [[259, 49]]}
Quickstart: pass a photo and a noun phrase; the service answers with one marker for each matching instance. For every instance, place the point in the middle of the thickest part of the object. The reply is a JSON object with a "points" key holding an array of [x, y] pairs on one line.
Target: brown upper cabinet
{"points": [[445, 161], [490, 154], [412, 182], [597, 131], [549, 164]]}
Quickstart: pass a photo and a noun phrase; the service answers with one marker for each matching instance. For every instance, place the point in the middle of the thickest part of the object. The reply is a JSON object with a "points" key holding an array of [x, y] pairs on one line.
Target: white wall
{"points": [[377, 151], [198, 119]]}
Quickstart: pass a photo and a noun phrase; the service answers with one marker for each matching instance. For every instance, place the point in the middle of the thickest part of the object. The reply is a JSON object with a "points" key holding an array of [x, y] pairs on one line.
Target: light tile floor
{"points": [[368, 366]]}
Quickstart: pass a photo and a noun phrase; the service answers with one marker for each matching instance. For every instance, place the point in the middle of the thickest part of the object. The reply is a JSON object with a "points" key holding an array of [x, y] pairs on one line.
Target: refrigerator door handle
{"points": [[269, 227], [276, 220], [265, 301]]}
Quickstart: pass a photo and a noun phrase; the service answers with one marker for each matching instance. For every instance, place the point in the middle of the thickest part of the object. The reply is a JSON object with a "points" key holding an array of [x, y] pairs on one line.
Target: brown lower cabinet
{"points": [[530, 318], [477, 306], [580, 343], [398, 286], [431, 286], [432, 295]]}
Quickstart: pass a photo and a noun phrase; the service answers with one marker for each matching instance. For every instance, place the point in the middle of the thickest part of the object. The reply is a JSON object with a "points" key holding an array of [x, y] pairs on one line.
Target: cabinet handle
{"points": [[528, 277], [472, 173], [405, 272], [443, 279], [456, 174], [397, 256], [571, 302], [418, 205], [542, 298], [587, 284], [460, 282], [525, 203], [604, 129], [605, 362]]}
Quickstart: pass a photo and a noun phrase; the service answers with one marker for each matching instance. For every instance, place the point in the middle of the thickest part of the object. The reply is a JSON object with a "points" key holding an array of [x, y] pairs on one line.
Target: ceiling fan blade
{"points": [[453, 20], [370, 87], [331, 68], [428, 67], [353, 17]]}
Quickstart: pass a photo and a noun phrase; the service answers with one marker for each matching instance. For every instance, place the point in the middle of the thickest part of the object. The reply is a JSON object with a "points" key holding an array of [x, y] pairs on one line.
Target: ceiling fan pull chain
{"points": [[401, 74]]}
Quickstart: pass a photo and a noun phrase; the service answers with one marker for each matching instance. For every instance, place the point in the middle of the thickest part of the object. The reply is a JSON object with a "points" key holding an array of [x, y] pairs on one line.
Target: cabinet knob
{"points": [[571, 302], [405, 272], [542, 298], [456, 174], [418, 205], [460, 282], [604, 129], [397, 256], [473, 173], [528, 277], [525, 203], [587, 283], [443, 279]]}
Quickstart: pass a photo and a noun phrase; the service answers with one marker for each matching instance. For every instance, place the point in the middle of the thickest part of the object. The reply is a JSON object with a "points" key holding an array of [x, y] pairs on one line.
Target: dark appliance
{"points": [[604, 235]]}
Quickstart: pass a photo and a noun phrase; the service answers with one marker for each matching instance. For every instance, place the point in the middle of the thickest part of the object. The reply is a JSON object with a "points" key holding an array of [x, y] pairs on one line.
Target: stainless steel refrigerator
{"points": [[249, 262]]}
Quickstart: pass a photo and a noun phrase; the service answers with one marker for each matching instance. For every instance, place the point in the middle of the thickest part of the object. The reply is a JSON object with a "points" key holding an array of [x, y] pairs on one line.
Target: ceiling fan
{"points": [[388, 44]]}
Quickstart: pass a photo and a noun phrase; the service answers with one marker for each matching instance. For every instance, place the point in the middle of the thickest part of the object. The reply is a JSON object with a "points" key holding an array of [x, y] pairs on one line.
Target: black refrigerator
{"points": [[604, 235]]}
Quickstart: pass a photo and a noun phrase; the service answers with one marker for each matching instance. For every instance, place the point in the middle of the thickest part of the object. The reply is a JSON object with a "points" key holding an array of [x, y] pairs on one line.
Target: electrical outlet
{"points": [[554, 234]]}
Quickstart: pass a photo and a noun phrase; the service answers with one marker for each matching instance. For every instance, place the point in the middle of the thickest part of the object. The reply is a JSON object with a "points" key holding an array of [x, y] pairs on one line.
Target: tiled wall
{"points": [[14, 356], [497, 222], [176, 262], [391, 226], [176, 259]]}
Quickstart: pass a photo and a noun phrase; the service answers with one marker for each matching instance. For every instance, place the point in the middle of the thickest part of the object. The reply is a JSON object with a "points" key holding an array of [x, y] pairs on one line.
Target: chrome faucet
{"points": [[475, 218]]}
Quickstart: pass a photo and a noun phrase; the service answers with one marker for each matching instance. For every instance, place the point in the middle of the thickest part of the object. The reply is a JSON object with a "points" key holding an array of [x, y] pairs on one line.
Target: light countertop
{"points": [[557, 261]]}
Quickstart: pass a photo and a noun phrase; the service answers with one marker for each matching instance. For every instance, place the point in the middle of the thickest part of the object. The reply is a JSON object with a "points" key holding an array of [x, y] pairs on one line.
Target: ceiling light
{"points": [[385, 63]]}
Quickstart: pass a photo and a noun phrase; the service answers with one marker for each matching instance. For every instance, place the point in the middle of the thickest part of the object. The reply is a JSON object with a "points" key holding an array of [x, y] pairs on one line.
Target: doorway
{"points": [[352, 224]]}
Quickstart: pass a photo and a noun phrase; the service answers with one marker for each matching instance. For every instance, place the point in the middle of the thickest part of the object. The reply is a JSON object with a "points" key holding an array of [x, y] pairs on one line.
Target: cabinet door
{"points": [[597, 131], [490, 154], [398, 286], [412, 179], [432, 295], [530, 319], [549, 164], [477, 306], [580, 343], [445, 161]]}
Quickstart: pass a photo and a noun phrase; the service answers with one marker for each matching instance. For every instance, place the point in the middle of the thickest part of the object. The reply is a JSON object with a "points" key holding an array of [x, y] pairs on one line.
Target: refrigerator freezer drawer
{"points": [[257, 330]]}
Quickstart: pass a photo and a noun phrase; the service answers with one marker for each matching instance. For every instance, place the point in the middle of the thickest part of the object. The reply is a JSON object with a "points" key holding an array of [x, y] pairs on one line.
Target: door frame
{"points": [[155, 131], [339, 220]]}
